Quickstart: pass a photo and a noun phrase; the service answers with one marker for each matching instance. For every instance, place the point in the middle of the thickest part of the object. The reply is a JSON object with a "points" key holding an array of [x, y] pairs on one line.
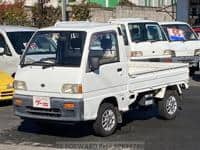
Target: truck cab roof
{"points": [[79, 26], [130, 20], [10, 28], [172, 22]]}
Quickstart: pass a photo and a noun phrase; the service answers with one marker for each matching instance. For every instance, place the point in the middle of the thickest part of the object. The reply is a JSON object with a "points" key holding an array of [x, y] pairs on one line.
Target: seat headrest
{"points": [[106, 44], [76, 43]]}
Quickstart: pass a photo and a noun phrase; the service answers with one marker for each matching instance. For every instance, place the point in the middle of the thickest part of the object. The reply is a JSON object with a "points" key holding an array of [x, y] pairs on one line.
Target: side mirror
{"points": [[2, 51], [94, 63]]}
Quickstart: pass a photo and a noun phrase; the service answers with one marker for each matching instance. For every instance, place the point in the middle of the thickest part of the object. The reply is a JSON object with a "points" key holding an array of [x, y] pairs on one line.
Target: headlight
{"points": [[72, 89], [169, 52], [20, 85], [197, 52], [136, 54], [10, 86]]}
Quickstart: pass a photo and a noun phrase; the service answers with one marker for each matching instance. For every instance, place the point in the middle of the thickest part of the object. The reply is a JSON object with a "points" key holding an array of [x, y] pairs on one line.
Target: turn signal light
{"points": [[167, 60], [69, 105], [135, 54], [18, 102]]}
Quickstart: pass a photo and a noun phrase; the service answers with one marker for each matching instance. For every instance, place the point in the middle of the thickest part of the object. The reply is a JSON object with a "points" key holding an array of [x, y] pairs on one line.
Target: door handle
{"points": [[119, 69]]}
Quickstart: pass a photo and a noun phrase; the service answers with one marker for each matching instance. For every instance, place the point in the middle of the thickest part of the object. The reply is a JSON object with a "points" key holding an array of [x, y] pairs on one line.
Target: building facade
{"points": [[153, 3], [146, 3], [189, 11], [104, 3]]}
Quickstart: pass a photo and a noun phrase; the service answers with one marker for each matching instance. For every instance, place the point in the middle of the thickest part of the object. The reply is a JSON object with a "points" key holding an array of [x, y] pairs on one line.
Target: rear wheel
{"points": [[169, 105], [106, 122], [192, 71]]}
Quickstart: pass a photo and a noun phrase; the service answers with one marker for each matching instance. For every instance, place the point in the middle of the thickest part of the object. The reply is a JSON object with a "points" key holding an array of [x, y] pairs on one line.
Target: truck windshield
{"points": [[55, 48], [19, 40], [179, 32], [141, 32]]}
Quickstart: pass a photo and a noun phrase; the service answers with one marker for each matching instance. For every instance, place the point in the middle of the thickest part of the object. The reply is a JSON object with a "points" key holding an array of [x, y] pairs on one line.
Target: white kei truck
{"points": [[144, 39], [166, 41], [76, 72], [13, 40], [184, 43]]}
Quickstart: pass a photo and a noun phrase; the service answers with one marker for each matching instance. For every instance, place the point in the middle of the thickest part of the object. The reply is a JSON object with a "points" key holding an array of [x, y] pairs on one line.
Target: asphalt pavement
{"points": [[143, 130]]}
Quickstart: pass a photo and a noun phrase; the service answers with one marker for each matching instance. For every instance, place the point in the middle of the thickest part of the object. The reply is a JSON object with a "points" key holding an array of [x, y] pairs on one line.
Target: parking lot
{"points": [[141, 127]]}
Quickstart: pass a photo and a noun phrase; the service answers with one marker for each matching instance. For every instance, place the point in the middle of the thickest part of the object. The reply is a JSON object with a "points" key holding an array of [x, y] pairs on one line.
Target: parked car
{"points": [[6, 86], [13, 40], [144, 39], [197, 30], [88, 77], [184, 43]]}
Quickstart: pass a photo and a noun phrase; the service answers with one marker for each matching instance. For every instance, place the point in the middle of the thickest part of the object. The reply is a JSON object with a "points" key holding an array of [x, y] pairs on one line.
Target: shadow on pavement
{"points": [[5, 103], [143, 113], [81, 129], [61, 130], [196, 77]]}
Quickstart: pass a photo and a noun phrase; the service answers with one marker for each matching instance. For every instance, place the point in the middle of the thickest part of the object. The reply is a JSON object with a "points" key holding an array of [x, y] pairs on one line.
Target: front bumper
{"points": [[56, 113], [192, 60], [6, 94]]}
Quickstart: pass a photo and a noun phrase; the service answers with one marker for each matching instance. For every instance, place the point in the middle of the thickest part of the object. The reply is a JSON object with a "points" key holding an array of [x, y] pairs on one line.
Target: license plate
{"points": [[41, 102]]}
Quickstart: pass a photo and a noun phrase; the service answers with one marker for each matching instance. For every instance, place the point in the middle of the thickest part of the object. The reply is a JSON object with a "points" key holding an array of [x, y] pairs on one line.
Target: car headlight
{"points": [[72, 89], [10, 86], [197, 52], [170, 52], [136, 54], [20, 85]]}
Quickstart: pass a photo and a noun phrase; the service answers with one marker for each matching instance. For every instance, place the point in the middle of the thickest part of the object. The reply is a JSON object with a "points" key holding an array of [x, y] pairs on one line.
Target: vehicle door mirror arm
{"points": [[7, 52]]}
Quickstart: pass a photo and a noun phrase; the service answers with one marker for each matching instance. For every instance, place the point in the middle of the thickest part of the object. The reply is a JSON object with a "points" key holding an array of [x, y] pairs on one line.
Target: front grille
{"points": [[7, 93], [53, 112]]}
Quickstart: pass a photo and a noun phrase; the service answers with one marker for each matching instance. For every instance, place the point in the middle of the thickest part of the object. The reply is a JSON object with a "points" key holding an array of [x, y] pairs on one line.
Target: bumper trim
{"points": [[56, 113]]}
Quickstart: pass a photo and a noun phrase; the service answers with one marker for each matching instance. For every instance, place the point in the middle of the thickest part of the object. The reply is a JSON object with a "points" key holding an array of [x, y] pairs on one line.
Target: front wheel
{"points": [[106, 122], [168, 106]]}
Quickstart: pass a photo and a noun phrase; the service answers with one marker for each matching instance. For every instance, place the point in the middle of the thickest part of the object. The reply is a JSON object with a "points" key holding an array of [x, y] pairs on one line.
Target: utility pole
{"points": [[64, 5]]}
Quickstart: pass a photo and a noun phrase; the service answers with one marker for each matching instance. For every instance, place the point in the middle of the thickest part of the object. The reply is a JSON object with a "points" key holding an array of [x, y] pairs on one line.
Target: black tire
{"points": [[164, 106], [192, 71], [98, 124]]}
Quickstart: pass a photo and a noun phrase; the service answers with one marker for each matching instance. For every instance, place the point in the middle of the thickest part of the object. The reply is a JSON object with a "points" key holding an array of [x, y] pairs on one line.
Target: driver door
{"points": [[110, 77]]}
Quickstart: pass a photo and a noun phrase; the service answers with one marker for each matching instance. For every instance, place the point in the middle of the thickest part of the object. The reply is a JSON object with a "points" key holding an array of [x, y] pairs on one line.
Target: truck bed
{"points": [[145, 76]]}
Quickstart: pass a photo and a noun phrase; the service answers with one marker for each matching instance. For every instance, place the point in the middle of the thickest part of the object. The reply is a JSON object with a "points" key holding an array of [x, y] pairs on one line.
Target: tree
{"points": [[13, 13], [43, 16], [126, 3]]}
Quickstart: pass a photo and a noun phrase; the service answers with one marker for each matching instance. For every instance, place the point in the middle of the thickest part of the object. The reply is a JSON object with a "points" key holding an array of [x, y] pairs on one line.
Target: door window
{"points": [[154, 33], [142, 32], [105, 47]]}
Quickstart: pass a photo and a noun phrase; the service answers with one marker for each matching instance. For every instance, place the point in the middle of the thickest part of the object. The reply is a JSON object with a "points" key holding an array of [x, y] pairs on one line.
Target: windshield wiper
{"points": [[44, 64], [47, 66], [152, 41]]}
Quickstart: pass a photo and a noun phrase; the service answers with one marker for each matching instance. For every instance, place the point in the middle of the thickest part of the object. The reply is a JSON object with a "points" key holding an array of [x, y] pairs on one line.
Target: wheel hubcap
{"points": [[108, 120], [171, 105]]}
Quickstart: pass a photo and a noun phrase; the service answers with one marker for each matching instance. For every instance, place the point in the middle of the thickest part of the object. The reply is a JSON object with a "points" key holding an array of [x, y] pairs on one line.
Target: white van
{"points": [[144, 39], [184, 43], [13, 40]]}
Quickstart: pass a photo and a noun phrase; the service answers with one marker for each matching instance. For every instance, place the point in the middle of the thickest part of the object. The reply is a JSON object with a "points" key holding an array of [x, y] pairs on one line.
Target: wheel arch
{"points": [[161, 93], [111, 99]]}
